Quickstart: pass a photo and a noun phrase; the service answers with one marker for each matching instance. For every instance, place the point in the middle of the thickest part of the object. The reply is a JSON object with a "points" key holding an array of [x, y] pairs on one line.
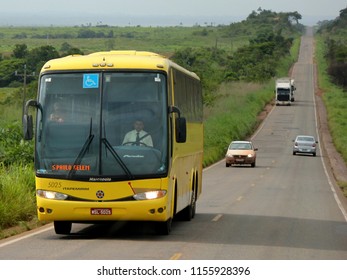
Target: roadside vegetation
{"points": [[237, 64], [331, 56]]}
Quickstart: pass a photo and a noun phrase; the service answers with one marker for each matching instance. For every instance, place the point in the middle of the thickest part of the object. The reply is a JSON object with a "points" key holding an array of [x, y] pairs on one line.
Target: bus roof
{"points": [[107, 60]]}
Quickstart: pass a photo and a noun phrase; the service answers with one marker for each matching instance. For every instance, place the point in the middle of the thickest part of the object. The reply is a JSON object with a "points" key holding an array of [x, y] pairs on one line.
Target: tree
{"points": [[20, 51], [7, 70], [67, 49], [343, 14], [39, 56], [294, 16]]}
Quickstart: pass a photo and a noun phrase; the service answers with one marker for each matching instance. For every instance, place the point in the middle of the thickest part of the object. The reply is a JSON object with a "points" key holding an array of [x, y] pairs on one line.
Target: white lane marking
{"points": [[176, 256], [50, 227], [215, 219]]}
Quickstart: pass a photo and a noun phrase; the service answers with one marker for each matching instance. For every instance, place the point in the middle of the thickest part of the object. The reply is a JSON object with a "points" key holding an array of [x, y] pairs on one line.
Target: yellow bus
{"points": [[86, 172]]}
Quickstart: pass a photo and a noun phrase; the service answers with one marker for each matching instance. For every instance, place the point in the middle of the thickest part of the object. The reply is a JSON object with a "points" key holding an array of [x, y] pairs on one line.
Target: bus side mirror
{"points": [[181, 130], [28, 127], [180, 124]]}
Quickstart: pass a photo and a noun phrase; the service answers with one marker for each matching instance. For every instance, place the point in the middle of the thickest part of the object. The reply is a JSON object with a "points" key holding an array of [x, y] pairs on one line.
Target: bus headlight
{"points": [[51, 195], [150, 195]]}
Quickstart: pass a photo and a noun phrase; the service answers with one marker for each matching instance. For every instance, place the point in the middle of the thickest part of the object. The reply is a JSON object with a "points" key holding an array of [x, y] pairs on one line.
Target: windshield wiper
{"points": [[83, 151], [117, 157]]}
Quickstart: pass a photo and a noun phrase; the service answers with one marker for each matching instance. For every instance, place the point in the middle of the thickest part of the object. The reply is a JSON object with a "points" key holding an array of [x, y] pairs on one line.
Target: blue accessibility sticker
{"points": [[90, 80]]}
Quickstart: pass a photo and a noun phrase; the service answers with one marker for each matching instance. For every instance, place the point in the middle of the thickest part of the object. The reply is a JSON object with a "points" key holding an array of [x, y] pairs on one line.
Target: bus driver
{"points": [[138, 136]]}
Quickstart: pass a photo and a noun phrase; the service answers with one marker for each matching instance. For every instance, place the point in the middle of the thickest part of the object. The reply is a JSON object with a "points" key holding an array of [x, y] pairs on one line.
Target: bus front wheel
{"points": [[62, 227], [164, 228]]}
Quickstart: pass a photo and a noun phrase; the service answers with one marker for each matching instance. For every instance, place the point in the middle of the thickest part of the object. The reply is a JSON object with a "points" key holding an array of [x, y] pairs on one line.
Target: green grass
{"points": [[343, 186], [233, 117], [335, 100], [10, 105], [17, 194], [7, 94], [163, 40]]}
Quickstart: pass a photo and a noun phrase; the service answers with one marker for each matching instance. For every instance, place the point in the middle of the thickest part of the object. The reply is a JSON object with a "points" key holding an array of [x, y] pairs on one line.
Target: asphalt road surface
{"points": [[284, 208]]}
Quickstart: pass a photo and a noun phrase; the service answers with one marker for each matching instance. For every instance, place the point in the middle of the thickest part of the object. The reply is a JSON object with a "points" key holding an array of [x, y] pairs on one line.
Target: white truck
{"points": [[284, 91]]}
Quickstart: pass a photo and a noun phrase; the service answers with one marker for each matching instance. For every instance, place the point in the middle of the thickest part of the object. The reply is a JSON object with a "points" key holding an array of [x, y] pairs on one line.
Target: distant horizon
{"points": [[123, 21], [157, 12]]}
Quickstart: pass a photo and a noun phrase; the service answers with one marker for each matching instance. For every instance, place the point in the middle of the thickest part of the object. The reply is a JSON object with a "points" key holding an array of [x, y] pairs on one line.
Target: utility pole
{"points": [[24, 75]]}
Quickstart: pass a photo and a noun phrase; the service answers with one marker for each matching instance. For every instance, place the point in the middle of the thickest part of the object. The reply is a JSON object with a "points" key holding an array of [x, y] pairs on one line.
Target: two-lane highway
{"points": [[284, 208]]}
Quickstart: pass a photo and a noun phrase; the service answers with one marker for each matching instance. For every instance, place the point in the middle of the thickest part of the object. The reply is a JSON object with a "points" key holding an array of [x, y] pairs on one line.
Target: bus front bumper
{"points": [[137, 210]]}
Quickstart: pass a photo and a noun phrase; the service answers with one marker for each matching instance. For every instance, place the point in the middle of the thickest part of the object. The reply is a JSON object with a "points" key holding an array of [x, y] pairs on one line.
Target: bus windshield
{"points": [[102, 125]]}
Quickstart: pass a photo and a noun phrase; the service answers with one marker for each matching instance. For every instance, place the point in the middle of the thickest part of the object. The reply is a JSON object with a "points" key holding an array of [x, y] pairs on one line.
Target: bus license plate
{"points": [[101, 211]]}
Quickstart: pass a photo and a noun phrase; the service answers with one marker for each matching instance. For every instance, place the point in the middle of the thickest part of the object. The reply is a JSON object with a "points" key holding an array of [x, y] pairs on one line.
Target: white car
{"points": [[305, 144]]}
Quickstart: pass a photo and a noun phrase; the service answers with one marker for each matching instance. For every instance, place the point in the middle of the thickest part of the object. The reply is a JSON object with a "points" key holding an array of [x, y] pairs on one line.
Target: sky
{"points": [[156, 12]]}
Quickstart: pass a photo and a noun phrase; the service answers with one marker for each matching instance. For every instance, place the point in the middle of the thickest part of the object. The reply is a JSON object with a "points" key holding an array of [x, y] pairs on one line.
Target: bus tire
{"points": [[188, 213], [62, 227], [164, 228]]}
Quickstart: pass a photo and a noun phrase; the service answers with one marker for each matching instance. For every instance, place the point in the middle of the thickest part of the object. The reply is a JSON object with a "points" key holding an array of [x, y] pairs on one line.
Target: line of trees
{"points": [[336, 48], [33, 60], [255, 62], [271, 36]]}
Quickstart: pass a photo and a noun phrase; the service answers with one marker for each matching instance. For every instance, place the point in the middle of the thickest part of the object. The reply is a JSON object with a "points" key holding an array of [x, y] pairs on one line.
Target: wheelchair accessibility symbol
{"points": [[90, 80]]}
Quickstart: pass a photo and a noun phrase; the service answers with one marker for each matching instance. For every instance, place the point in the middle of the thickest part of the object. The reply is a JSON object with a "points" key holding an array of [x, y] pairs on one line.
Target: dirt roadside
{"points": [[333, 158]]}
